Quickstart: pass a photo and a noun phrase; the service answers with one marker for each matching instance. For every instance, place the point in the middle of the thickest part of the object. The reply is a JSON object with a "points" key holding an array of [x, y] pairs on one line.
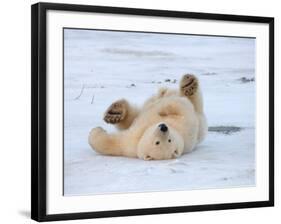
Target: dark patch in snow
{"points": [[227, 130], [166, 80], [170, 80], [132, 85], [246, 80]]}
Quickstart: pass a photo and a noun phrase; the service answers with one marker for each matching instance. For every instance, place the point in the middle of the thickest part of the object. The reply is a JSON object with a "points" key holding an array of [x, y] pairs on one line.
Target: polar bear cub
{"points": [[170, 123]]}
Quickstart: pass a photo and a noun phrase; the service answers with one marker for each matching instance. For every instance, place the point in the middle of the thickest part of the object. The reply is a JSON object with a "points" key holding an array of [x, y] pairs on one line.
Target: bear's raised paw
{"points": [[116, 112], [189, 85]]}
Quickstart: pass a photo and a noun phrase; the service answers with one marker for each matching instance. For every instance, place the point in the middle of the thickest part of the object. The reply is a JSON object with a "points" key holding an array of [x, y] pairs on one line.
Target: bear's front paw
{"points": [[189, 85], [116, 112]]}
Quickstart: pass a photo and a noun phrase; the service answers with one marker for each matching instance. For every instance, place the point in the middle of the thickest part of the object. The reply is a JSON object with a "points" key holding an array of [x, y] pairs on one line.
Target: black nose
{"points": [[163, 127]]}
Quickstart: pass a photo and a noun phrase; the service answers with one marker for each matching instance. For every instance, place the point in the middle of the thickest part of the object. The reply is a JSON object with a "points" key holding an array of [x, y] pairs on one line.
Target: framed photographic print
{"points": [[140, 111]]}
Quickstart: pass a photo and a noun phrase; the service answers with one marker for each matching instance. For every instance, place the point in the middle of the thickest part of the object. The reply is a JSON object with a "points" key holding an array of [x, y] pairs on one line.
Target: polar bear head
{"points": [[160, 142]]}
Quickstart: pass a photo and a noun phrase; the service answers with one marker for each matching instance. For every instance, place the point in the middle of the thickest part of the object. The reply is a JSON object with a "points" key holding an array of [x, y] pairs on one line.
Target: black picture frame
{"points": [[39, 107]]}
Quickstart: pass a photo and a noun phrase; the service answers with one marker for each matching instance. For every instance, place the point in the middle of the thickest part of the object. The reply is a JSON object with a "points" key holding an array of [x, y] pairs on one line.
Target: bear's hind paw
{"points": [[189, 85]]}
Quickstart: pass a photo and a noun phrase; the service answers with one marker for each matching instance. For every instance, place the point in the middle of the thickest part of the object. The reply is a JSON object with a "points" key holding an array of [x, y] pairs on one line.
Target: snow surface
{"points": [[103, 66]]}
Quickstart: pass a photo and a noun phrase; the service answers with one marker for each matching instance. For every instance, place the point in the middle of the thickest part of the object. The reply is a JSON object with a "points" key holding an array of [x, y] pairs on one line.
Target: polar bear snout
{"points": [[163, 127], [160, 141]]}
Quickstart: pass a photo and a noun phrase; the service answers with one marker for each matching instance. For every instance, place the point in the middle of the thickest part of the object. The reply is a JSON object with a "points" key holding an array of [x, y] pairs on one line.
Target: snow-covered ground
{"points": [[103, 66]]}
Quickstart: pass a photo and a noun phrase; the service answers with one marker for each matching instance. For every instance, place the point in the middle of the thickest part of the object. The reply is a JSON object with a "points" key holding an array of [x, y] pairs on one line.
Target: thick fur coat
{"points": [[170, 123]]}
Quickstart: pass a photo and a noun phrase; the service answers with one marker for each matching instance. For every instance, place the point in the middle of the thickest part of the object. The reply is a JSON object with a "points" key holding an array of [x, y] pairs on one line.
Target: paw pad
{"points": [[189, 85], [116, 112]]}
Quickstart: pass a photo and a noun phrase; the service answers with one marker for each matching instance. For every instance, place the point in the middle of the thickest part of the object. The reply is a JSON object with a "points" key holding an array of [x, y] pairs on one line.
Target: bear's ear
{"points": [[162, 91]]}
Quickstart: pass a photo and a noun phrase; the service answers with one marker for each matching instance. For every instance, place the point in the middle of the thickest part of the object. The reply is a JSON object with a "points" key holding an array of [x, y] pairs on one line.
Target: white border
{"points": [[56, 203]]}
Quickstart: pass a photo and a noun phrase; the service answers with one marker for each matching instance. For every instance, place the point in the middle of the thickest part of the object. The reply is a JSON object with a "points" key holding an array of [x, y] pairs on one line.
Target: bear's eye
{"points": [[157, 143], [169, 140]]}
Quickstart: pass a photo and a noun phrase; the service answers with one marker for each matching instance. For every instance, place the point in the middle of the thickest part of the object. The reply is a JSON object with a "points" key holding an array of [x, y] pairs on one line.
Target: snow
{"points": [[103, 66]]}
